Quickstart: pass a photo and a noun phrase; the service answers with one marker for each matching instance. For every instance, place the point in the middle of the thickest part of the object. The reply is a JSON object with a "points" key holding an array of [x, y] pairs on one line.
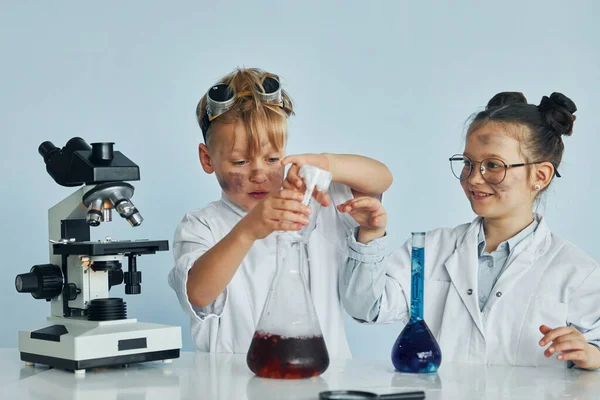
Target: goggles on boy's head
{"points": [[220, 98]]}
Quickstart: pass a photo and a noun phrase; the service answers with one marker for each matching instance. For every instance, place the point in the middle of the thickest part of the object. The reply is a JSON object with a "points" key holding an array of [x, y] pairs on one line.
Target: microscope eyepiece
{"points": [[77, 143], [78, 162], [102, 152], [46, 150]]}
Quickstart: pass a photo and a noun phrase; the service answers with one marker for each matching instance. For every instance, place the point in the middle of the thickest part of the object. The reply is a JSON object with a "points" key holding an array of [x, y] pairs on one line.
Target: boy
{"points": [[225, 253]]}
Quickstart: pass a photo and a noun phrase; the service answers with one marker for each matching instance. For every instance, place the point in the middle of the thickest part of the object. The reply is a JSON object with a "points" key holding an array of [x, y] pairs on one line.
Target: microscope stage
{"points": [[101, 248]]}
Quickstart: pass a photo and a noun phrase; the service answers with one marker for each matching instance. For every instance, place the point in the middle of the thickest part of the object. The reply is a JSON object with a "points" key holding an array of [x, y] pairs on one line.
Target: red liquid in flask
{"points": [[279, 357]]}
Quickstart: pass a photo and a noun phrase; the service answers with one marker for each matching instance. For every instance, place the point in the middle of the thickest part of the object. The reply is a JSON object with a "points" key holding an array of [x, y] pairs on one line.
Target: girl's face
{"points": [[514, 196], [246, 179]]}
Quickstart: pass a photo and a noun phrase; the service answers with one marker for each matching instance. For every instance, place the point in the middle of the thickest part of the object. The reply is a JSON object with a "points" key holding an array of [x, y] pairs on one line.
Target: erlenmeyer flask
{"points": [[288, 342], [416, 350]]}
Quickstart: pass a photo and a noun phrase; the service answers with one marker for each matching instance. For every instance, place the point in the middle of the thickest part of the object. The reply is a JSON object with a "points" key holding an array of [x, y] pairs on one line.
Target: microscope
{"points": [[87, 328]]}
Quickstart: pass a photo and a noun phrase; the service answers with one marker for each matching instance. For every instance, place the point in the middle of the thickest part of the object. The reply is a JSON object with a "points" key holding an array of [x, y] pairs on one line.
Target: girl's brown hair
{"points": [[544, 124]]}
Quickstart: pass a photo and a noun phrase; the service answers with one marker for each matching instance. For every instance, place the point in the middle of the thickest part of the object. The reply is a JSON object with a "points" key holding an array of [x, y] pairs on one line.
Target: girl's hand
{"points": [[570, 344], [370, 214]]}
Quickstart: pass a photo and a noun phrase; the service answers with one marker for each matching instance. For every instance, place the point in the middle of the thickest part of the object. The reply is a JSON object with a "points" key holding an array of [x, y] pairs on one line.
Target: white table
{"points": [[226, 376]]}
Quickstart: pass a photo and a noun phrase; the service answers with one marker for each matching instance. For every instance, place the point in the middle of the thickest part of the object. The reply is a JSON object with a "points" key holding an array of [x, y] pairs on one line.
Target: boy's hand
{"points": [[294, 182], [279, 211], [570, 344], [370, 214]]}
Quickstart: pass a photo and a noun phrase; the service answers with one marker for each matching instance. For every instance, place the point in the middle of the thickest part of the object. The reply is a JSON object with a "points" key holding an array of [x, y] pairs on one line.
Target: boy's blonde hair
{"points": [[257, 116]]}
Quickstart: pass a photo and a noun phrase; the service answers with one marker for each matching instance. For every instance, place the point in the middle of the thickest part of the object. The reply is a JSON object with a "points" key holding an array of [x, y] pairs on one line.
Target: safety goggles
{"points": [[220, 98]]}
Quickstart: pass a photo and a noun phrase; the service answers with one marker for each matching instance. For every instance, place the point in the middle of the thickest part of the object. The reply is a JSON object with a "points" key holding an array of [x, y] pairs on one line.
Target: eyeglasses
{"points": [[493, 170], [220, 98]]}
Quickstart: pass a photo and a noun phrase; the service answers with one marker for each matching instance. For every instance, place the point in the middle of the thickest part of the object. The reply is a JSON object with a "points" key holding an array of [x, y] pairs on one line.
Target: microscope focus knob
{"points": [[70, 291], [133, 277], [43, 281], [132, 282]]}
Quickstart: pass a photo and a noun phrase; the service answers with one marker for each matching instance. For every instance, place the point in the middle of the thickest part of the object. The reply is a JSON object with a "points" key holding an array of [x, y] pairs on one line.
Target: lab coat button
{"points": [[498, 294], [470, 292]]}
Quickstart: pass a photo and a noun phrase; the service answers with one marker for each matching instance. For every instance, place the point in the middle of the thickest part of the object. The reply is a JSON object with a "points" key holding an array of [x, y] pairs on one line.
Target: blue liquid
{"points": [[416, 284], [416, 350]]}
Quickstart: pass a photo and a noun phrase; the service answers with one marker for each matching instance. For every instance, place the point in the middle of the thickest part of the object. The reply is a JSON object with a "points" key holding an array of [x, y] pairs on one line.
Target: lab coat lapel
{"points": [[462, 268]]}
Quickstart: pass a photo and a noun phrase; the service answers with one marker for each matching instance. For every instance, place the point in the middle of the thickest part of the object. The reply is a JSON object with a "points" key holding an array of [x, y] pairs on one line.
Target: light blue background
{"points": [[394, 80]]}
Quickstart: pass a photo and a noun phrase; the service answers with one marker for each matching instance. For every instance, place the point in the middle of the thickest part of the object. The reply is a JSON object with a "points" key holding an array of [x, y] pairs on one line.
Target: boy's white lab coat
{"points": [[547, 280], [227, 325]]}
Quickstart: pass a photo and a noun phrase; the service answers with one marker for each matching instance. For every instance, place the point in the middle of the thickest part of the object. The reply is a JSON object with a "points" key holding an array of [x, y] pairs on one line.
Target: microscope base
{"points": [[73, 365], [77, 344]]}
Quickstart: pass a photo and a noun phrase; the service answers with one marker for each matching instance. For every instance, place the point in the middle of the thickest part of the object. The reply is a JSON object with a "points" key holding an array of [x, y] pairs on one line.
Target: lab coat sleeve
{"points": [[340, 194], [584, 308], [371, 283], [193, 238]]}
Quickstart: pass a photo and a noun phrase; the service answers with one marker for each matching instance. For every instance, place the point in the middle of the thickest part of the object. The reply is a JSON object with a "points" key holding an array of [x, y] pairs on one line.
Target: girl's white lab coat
{"points": [[547, 280]]}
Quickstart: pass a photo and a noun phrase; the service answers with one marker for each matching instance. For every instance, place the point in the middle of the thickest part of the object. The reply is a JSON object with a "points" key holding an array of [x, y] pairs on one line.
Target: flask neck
{"points": [[292, 254], [417, 278]]}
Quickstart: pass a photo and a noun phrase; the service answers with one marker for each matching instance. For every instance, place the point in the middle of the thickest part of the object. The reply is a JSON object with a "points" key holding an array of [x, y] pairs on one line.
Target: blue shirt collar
{"points": [[507, 244]]}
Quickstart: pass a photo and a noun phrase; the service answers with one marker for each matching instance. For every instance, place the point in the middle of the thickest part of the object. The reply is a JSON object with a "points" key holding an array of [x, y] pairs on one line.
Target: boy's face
{"points": [[245, 179]]}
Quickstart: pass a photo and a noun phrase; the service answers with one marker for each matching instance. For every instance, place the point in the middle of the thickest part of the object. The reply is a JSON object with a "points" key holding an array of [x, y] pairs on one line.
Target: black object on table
{"points": [[360, 395]]}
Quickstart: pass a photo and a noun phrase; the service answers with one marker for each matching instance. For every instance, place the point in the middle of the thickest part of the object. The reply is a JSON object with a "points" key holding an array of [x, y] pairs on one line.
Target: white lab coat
{"points": [[228, 324], [547, 280]]}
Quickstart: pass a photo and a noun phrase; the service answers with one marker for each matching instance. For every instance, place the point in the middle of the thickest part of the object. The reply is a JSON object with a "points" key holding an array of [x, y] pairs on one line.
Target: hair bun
{"points": [[504, 98], [557, 110], [563, 101]]}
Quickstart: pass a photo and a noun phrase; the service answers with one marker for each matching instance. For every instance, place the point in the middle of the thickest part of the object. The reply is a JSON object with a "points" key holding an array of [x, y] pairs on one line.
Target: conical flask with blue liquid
{"points": [[416, 350]]}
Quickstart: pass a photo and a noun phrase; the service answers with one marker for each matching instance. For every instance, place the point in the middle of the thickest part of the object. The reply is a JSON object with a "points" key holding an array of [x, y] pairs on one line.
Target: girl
{"points": [[502, 289]]}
